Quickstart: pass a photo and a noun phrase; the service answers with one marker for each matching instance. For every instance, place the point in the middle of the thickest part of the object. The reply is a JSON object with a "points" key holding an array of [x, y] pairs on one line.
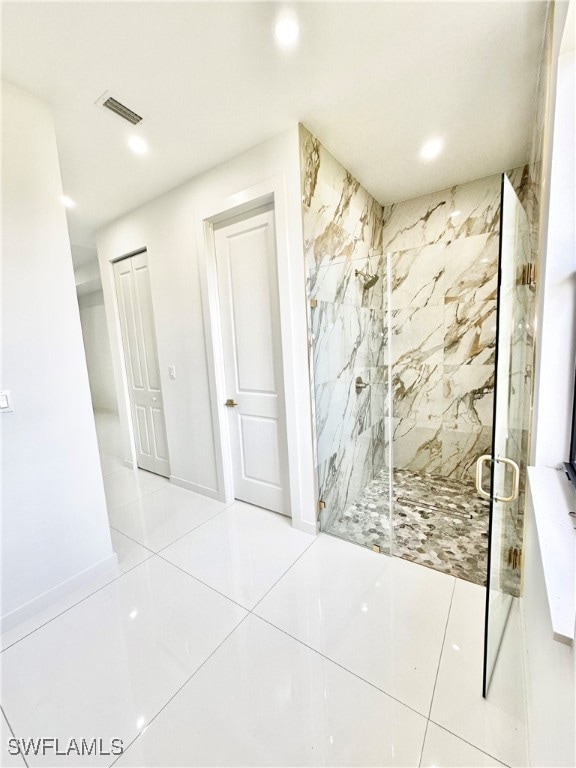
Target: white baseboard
{"points": [[303, 525], [128, 463], [201, 489], [43, 601]]}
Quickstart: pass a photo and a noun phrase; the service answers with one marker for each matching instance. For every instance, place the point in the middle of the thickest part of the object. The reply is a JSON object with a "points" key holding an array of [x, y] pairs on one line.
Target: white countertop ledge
{"points": [[553, 497]]}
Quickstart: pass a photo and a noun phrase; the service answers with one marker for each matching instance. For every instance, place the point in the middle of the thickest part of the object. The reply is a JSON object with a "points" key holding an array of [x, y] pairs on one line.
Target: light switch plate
{"points": [[6, 402], [172, 371]]}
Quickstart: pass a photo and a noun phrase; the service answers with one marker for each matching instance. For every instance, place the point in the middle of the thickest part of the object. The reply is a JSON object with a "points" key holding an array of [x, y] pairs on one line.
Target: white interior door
{"points": [[248, 292], [141, 360]]}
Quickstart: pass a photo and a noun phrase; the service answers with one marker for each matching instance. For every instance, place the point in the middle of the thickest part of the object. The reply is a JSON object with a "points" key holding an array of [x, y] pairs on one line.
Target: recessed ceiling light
{"points": [[138, 145], [67, 202], [286, 32], [431, 149]]}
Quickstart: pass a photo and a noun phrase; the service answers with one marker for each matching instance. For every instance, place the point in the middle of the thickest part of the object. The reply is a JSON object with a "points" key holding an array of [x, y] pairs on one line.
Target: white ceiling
{"points": [[372, 80]]}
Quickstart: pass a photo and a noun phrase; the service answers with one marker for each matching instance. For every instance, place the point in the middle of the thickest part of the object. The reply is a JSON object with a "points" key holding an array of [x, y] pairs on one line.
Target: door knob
{"points": [[154, 399], [230, 403]]}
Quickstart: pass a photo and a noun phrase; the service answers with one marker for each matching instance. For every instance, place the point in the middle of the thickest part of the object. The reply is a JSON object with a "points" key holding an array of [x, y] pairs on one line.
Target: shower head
{"points": [[368, 280]]}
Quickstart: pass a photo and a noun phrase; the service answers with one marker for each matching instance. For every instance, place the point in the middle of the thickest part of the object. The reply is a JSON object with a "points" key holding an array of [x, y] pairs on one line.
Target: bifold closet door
{"points": [[141, 360]]}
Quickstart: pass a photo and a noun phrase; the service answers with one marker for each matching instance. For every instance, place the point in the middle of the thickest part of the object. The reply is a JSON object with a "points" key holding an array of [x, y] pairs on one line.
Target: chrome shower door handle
{"points": [[360, 385], [479, 466], [515, 480]]}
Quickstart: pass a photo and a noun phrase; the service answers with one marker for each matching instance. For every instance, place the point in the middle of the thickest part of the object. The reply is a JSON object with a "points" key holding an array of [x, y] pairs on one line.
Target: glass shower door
{"points": [[512, 402]]}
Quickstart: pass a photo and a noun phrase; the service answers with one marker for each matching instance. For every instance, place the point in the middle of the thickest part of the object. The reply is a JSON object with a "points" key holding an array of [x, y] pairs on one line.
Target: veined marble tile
{"points": [[321, 319], [417, 447], [326, 242], [342, 336], [520, 179], [417, 336], [351, 335], [379, 395], [471, 274], [460, 450], [442, 252], [415, 223], [418, 277], [417, 392], [345, 338], [381, 433], [341, 413], [377, 296], [337, 283], [377, 332], [474, 208], [469, 333], [345, 474], [329, 189], [359, 466], [468, 396]]}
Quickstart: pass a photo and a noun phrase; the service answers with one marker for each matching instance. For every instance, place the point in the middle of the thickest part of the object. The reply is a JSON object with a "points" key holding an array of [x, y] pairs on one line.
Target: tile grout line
{"points": [[135, 541], [442, 647], [314, 540], [137, 565], [222, 594], [251, 612], [74, 605], [149, 723], [12, 732], [437, 672], [156, 552], [208, 519], [204, 584], [475, 746], [341, 666], [423, 742], [429, 718], [132, 501]]}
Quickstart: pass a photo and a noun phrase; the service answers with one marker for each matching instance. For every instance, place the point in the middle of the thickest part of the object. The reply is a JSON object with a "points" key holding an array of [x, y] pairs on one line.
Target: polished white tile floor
{"points": [[228, 638]]}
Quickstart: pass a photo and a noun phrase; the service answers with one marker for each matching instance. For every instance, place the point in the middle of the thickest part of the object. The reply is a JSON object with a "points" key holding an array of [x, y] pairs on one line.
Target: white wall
{"points": [[558, 312], [550, 667], [54, 523], [87, 273], [171, 229], [97, 349]]}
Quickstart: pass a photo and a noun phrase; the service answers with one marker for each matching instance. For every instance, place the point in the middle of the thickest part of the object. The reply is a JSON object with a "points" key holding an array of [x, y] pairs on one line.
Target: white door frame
{"points": [[301, 470]]}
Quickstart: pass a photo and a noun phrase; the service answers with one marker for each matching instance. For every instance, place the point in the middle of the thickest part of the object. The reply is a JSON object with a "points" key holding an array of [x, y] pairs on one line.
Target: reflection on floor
{"points": [[438, 522], [226, 637]]}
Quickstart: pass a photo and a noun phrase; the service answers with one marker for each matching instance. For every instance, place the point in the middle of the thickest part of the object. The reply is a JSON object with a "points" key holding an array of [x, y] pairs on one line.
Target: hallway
{"points": [[226, 637]]}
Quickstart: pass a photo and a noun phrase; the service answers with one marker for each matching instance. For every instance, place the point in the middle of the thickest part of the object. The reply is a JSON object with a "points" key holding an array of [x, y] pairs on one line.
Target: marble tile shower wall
{"points": [[343, 232], [444, 254]]}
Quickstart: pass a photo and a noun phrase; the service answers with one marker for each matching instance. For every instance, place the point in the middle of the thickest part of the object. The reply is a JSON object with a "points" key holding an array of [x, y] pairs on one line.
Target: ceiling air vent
{"points": [[122, 111]]}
